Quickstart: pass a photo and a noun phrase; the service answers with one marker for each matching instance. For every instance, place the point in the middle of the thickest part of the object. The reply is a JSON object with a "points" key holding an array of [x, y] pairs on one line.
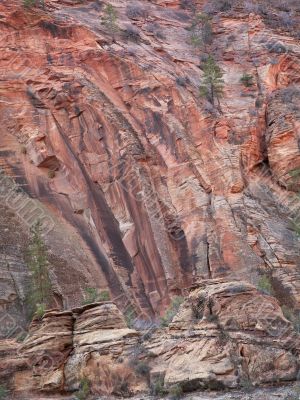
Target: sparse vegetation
{"points": [[265, 285], [182, 81], [130, 316], [40, 311], [20, 338], [212, 84], [29, 3], [131, 33], [109, 20], [33, 3], [295, 180], [295, 173], [292, 316], [136, 11], [51, 174], [172, 310], [92, 295], [157, 387], [104, 295], [23, 149], [215, 6], [188, 5], [201, 31], [156, 30], [295, 226], [175, 392], [3, 392], [247, 80], [295, 395], [142, 368], [276, 47], [84, 389], [40, 288], [246, 384]]}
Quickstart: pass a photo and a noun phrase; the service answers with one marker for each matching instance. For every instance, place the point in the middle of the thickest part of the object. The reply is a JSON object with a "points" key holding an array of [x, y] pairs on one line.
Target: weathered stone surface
{"points": [[226, 334], [283, 136], [150, 189], [151, 184]]}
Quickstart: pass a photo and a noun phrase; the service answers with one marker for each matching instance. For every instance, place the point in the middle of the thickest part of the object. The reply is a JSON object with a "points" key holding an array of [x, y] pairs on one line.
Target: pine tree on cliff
{"points": [[201, 31], [40, 285], [212, 84], [109, 20]]}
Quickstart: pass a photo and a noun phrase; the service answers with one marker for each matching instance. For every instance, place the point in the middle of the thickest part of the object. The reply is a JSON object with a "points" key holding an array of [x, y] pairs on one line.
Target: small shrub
{"points": [[264, 285], [20, 339], [155, 29], [175, 392], [247, 80], [225, 5], [142, 368], [259, 102], [276, 47], [104, 295], [188, 5], [157, 387], [295, 395], [246, 384], [131, 33], [182, 80], [212, 318], [34, 3], [40, 311], [290, 94], [130, 316], [29, 3], [3, 392], [292, 316], [92, 295], [23, 150], [172, 311], [84, 389], [51, 174], [136, 11]]}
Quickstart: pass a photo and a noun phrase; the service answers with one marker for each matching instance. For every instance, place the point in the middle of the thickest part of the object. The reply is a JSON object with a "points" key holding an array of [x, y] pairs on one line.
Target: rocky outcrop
{"points": [[148, 186], [283, 137], [226, 334]]}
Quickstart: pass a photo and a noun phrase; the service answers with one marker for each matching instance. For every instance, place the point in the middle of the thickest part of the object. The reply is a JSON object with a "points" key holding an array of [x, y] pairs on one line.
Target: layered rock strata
{"points": [[226, 334], [148, 186]]}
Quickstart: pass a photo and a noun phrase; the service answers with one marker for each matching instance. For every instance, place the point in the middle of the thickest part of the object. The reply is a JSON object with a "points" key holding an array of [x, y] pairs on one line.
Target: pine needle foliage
{"points": [[40, 285], [212, 83], [109, 20], [201, 31]]}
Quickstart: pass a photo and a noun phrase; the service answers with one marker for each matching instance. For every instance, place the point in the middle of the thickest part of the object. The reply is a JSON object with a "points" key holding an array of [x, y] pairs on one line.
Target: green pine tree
{"points": [[109, 20], [201, 31], [212, 84], [40, 286]]}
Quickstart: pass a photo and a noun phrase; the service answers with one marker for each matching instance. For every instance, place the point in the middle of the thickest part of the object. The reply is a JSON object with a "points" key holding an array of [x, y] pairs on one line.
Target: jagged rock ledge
{"points": [[226, 334]]}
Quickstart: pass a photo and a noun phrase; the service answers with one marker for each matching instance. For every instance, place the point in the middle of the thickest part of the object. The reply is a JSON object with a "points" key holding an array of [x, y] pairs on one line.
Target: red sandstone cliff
{"points": [[152, 188], [147, 189]]}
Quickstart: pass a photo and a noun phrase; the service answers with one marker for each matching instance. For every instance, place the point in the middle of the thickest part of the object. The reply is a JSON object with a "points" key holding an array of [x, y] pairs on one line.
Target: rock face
{"points": [[225, 335], [146, 189], [147, 186]]}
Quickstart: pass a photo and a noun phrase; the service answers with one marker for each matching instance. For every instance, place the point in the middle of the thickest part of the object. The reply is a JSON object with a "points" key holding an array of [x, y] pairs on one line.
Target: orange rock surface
{"points": [[148, 187]]}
